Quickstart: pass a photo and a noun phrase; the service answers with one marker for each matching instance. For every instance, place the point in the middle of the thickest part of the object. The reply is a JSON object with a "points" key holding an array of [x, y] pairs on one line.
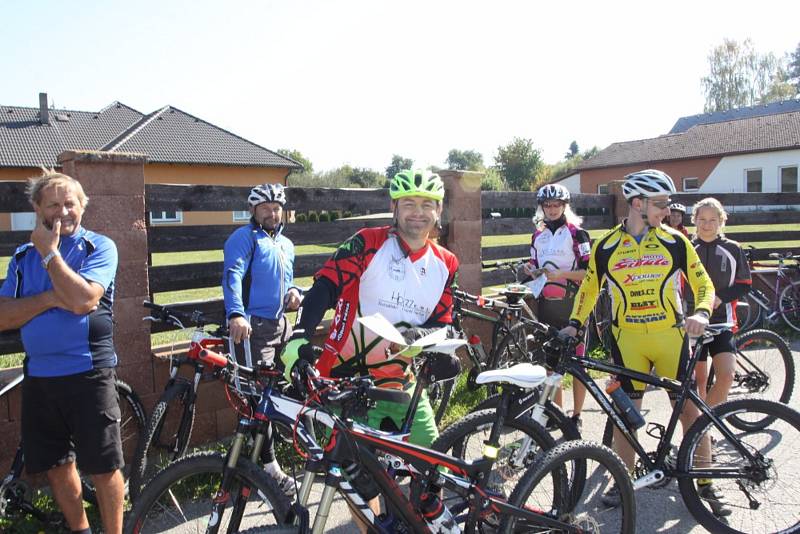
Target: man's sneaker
{"points": [[285, 483], [715, 498], [611, 498], [576, 418]]}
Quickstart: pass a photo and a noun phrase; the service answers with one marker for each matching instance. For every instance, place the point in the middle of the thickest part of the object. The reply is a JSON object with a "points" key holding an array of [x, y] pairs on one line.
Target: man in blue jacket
{"points": [[257, 286], [59, 291]]}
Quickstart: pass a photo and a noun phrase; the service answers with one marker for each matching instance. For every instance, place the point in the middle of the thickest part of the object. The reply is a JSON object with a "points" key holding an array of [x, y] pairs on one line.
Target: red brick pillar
{"points": [[114, 183], [620, 205], [461, 222]]}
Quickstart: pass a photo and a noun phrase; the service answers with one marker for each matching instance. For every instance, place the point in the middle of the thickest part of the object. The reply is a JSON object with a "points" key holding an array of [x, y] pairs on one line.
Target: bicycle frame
{"points": [[782, 279], [686, 391]]}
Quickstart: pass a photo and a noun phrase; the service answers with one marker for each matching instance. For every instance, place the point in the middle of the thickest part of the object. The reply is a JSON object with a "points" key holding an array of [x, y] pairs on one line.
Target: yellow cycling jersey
{"points": [[644, 279]]}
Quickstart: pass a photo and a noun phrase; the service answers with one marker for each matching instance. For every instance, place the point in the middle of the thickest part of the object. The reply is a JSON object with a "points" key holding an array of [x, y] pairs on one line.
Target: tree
{"points": [[741, 76], [363, 177], [464, 160], [518, 163], [299, 158], [398, 164], [492, 181], [793, 74], [573, 150]]}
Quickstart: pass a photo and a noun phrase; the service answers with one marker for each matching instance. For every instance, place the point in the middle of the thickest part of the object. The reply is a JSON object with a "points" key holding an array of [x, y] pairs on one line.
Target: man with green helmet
{"points": [[397, 271]]}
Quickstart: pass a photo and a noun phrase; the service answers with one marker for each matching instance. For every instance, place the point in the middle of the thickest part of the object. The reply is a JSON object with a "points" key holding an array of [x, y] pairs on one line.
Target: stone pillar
{"points": [[114, 183], [620, 205], [461, 224]]}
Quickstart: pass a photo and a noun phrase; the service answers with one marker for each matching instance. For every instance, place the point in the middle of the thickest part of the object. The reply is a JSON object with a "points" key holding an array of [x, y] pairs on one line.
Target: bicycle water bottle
{"points": [[476, 344], [625, 405], [438, 515]]}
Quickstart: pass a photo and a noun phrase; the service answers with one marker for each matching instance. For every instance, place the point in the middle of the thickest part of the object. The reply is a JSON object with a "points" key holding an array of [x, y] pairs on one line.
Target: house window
{"points": [[241, 216], [691, 185], [789, 179], [602, 189], [160, 217], [753, 181]]}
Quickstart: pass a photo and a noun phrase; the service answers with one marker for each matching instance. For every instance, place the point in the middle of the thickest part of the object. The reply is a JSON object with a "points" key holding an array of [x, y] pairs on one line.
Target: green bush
{"points": [[324, 217], [347, 214], [300, 217], [333, 215], [313, 216]]}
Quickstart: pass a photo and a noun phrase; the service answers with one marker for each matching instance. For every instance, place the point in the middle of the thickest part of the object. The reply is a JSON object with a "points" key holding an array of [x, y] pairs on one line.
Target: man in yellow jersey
{"points": [[643, 261]]}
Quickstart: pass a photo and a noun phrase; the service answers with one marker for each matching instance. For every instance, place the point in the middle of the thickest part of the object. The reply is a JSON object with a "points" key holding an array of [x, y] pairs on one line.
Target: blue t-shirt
{"points": [[58, 342]]}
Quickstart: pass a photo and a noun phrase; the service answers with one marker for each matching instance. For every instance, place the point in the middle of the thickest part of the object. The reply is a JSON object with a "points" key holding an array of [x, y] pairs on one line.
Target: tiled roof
{"points": [[167, 135], [757, 134], [24, 142], [785, 106]]}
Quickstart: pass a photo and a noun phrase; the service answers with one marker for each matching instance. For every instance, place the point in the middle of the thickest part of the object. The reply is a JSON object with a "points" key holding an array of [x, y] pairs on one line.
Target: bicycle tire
{"points": [[439, 394], [148, 460], [576, 513], [193, 480], [789, 303], [513, 347], [132, 426], [558, 423], [747, 495]]}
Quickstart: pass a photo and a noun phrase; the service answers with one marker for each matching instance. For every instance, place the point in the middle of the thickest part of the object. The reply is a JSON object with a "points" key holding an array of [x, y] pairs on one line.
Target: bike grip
{"points": [[214, 358], [391, 395]]}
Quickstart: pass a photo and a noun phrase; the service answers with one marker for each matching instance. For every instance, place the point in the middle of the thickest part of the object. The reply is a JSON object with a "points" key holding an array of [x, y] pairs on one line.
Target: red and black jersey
{"points": [[375, 272]]}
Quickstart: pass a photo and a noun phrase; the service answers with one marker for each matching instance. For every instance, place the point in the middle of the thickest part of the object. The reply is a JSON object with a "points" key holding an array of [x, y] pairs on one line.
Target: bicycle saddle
{"points": [[524, 375]]}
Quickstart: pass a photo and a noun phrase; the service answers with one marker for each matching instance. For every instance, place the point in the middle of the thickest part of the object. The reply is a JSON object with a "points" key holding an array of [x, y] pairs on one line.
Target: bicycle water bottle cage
{"points": [[655, 430]]}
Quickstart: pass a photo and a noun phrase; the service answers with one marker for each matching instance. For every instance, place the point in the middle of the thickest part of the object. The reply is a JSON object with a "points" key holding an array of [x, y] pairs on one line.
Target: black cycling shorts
{"points": [[72, 417], [722, 342]]}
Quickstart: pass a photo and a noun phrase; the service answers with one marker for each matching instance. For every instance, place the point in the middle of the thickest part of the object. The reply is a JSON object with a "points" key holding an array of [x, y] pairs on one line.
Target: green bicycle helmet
{"points": [[416, 183]]}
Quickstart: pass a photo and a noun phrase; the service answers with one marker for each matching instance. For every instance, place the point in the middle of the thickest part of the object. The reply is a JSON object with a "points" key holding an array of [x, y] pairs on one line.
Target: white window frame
{"points": [[164, 220], [599, 192], [780, 177], [691, 189], [241, 216], [761, 170]]}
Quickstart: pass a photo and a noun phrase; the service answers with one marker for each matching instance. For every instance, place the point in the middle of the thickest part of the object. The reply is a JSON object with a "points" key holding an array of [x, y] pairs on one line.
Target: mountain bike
{"points": [[750, 467], [782, 299], [360, 463], [18, 498]]}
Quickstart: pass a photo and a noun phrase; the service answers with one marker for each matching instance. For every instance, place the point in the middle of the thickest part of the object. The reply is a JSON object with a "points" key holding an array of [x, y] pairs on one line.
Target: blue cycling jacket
{"points": [[257, 272]]}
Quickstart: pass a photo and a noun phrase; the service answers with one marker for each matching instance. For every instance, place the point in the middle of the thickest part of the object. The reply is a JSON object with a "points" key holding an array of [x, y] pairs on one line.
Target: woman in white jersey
{"points": [[561, 248]]}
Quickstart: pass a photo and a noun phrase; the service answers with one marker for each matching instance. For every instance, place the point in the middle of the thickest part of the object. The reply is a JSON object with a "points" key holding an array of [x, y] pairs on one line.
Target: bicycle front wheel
{"points": [[179, 499], [167, 436], [543, 489], [790, 305], [752, 494]]}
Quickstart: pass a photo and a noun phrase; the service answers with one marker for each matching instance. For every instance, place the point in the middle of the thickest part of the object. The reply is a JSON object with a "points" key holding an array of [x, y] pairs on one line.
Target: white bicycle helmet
{"points": [[647, 183], [267, 193], [677, 206], [552, 192]]}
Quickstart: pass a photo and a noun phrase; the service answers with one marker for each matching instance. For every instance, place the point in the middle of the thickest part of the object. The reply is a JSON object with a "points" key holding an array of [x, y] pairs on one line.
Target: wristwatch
{"points": [[46, 260]]}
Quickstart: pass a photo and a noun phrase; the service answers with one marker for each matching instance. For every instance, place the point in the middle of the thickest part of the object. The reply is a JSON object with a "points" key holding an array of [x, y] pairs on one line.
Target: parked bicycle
{"points": [[361, 463], [18, 498], [782, 299], [750, 467]]}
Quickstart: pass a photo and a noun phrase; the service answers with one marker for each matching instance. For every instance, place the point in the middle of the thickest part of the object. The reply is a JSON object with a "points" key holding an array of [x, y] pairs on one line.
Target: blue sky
{"points": [[356, 81]]}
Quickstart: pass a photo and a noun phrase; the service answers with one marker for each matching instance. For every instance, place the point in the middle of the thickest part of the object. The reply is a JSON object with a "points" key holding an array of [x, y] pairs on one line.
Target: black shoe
{"points": [[576, 418], [611, 498], [715, 499]]}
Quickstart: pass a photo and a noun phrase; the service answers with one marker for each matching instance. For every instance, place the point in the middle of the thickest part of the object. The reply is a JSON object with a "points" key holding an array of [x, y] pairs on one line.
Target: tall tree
{"points": [[464, 160], [518, 163], [741, 76], [299, 158], [573, 150], [793, 73], [398, 164]]}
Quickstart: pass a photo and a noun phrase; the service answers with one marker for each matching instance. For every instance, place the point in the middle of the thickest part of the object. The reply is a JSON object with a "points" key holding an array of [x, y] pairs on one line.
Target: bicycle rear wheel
{"points": [[167, 435], [179, 499], [439, 394], [790, 305], [542, 489], [761, 494], [764, 368]]}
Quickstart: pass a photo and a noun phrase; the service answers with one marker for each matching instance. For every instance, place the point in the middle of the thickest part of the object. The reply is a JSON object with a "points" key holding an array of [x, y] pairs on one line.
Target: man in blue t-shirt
{"points": [[257, 286], [59, 292]]}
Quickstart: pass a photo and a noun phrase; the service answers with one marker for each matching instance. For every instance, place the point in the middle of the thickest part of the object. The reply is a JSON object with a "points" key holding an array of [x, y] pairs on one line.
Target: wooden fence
{"points": [[597, 210]]}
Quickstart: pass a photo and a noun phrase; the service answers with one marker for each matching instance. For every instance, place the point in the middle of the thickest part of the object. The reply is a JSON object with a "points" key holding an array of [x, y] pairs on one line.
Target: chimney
{"points": [[44, 113]]}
